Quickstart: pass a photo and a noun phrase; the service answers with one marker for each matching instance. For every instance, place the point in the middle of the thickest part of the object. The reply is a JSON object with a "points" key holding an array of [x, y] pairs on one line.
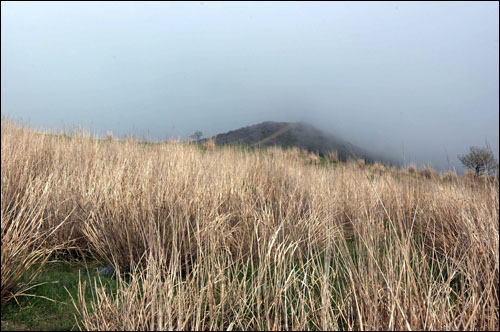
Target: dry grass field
{"points": [[209, 238]]}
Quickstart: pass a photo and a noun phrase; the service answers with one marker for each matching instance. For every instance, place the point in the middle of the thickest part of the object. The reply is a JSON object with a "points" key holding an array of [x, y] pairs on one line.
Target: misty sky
{"points": [[417, 80]]}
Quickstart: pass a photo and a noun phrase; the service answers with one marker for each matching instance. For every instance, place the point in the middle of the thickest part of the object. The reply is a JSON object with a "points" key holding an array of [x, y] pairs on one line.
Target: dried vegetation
{"points": [[211, 239]]}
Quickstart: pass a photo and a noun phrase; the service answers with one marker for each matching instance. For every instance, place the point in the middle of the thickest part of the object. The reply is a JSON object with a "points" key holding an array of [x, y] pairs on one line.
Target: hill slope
{"points": [[287, 134]]}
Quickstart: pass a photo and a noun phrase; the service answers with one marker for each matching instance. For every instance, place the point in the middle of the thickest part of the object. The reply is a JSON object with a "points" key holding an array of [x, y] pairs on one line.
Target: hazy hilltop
{"points": [[294, 134]]}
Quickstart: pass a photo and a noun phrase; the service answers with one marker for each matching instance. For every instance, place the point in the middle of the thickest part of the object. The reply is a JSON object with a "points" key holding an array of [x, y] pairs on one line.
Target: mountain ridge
{"points": [[293, 134]]}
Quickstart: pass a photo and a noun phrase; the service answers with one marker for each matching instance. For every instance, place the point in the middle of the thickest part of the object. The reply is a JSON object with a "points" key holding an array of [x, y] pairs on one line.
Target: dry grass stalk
{"points": [[312, 159], [450, 176], [210, 144], [469, 175], [361, 163], [25, 207], [333, 156], [378, 167]]}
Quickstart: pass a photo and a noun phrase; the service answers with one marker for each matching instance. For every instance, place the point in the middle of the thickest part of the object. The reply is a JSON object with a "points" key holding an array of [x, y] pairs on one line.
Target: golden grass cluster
{"points": [[427, 172], [210, 144], [450, 176], [252, 240], [378, 167]]}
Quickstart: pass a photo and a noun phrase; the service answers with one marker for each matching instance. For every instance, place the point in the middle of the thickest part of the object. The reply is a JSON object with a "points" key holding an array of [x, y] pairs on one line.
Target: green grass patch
{"points": [[36, 313]]}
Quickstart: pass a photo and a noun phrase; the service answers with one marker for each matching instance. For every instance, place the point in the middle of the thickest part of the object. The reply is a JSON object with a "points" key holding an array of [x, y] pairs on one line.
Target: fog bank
{"points": [[416, 81]]}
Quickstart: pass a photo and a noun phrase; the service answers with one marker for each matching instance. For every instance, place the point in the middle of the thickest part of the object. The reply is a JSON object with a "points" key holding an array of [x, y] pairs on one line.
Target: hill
{"points": [[290, 134]]}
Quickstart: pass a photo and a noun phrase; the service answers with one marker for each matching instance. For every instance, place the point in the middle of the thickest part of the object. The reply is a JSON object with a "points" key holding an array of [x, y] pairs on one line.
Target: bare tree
{"points": [[481, 160], [196, 136]]}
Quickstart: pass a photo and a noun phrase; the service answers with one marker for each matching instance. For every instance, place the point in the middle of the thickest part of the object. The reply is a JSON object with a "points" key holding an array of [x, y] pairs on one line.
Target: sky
{"points": [[417, 81]]}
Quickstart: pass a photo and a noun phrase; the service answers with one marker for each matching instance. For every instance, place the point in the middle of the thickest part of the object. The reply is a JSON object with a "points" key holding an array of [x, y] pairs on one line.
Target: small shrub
{"points": [[480, 160], [412, 169], [427, 172]]}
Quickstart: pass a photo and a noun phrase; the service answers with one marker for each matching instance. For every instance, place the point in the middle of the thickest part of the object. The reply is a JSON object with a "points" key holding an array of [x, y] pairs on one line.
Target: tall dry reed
{"points": [[25, 212], [235, 239]]}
